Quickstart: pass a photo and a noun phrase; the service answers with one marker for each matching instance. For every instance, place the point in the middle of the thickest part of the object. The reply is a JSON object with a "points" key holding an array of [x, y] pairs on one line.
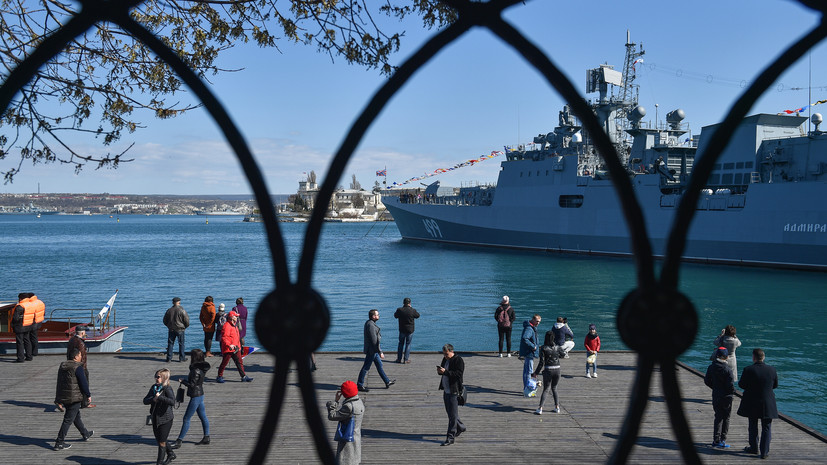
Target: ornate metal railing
{"points": [[656, 302]]}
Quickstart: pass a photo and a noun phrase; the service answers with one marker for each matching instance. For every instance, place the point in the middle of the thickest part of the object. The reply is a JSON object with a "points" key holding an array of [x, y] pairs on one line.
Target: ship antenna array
{"points": [[629, 92]]}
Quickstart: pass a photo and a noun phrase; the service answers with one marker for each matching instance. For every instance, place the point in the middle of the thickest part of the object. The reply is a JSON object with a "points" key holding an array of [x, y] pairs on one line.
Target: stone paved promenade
{"points": [[403, 424]]}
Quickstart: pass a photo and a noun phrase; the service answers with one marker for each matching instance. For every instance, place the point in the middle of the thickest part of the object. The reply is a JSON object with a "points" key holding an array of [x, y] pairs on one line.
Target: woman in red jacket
{"points": [[231, 348]]}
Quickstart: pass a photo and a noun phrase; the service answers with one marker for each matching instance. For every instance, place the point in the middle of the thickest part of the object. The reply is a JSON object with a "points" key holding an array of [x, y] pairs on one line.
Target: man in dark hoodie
{"points": [[406, 316], [561, 330], [720, 378]]}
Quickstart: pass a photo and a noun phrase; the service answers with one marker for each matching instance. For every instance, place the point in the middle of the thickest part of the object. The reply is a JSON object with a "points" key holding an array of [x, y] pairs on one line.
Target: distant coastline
{"points": [[125, 204]]}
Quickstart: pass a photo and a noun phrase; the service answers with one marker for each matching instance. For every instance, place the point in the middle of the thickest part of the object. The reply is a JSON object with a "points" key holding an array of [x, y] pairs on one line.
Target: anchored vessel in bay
{"points": [[763, 203]]}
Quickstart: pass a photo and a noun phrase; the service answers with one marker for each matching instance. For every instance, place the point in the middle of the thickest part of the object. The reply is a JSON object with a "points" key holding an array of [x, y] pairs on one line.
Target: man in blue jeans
{"points": [[406, 316], [177, 321], [373, 354], [529, 345]]}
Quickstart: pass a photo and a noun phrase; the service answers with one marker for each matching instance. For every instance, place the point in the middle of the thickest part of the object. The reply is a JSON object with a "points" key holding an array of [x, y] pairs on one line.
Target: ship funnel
{"points": [[636, 115], [675, 117]]}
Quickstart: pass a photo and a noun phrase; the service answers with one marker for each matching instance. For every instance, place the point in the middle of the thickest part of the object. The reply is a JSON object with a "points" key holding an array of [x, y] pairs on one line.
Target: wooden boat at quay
{"points": [[60, 325]]}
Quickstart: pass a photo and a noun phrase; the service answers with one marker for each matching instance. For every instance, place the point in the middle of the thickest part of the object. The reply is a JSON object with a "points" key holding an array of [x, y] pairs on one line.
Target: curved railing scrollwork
{"points": [[655, 302]]}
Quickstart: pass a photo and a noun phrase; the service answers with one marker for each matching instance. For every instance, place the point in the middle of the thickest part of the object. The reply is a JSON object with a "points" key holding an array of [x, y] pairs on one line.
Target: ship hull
{"points": [[762, 231], [104, 341]]}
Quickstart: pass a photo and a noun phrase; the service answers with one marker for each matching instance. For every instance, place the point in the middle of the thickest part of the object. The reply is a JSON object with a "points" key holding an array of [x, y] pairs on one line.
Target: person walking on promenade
{"points": [[220, 319], [195, 391], [549, 365], [729, 340], [373, 353], [39, 315], [242, 319], [177, 321], [161, 400], [76, 342], [592, 345], [207, 318], [529, 345], [563, 336], [451, 372], [22, 321], [720, 378], [406, 316], [505, 316], [231, 349], [348, 452], [72, 390], [758, 381]]}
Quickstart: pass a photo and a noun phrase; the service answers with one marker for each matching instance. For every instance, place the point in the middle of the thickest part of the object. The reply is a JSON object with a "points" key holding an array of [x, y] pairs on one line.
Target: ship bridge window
{"points": [[726, 179], [546, 172], [571, 201], [729, 166], [716, 167], [739, 165], [715, 179], [748, 165], [739, 178]]}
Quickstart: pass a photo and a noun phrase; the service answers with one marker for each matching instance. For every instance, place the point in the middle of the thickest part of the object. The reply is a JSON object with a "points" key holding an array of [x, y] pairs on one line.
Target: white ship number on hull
{"points": [[432, 227]]}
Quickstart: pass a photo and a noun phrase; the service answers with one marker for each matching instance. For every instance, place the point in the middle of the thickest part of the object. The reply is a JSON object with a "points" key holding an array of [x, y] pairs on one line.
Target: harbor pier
{"points": [[404, 424]]}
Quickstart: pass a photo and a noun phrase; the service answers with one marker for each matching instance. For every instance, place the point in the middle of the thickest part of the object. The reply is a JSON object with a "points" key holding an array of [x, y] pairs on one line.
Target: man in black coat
{"points": [[451, 372], [758, 381], [720, 378], [406, 316]]}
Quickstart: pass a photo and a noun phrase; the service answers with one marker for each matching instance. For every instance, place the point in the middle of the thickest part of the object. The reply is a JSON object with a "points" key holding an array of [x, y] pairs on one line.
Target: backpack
{"points": [[503, 321]]}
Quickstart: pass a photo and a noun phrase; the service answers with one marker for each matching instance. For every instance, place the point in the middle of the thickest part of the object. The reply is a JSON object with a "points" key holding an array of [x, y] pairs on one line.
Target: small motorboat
{"points": [[60, 325]]}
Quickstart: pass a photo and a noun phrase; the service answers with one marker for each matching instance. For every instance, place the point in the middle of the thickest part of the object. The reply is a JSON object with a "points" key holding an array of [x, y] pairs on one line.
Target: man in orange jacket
{"points": [[39, 309]]}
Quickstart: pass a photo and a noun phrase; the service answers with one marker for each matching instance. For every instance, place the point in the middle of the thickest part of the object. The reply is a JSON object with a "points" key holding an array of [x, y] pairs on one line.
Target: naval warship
{"points": [[763, 205]]}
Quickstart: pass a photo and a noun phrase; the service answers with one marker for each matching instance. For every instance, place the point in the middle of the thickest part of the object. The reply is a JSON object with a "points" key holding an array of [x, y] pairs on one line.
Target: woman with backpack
{"points": [[504, 315]]}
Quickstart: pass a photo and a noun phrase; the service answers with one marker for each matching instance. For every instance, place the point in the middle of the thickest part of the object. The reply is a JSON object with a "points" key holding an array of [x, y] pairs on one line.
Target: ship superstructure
{"points": [[763, 204]]}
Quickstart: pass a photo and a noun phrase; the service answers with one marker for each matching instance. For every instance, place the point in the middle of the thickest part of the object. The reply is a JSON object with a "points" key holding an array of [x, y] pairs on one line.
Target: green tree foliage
{"points": [[105, 79]]}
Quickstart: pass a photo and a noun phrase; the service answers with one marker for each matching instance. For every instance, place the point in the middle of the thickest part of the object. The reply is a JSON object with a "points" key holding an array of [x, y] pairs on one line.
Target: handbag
{"points": [[463, 396], [591, 359], [345, 433], [179, 395]]}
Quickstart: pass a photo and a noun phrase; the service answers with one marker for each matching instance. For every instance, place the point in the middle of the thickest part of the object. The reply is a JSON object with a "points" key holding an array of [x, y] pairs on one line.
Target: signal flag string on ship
{"points": [[437, 171], [804, 108]]}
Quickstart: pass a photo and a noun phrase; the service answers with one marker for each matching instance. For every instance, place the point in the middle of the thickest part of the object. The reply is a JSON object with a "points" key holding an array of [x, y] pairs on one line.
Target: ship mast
{"points": [[629, 90]]}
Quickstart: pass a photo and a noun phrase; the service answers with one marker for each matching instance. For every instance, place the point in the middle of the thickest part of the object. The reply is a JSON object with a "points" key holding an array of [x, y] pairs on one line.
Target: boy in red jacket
{"points": [[592, 345]]}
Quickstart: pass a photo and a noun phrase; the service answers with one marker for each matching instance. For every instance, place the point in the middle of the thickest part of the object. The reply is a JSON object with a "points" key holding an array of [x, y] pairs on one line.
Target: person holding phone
{"points": [[348, 452], [161, 400], [451, 372]]}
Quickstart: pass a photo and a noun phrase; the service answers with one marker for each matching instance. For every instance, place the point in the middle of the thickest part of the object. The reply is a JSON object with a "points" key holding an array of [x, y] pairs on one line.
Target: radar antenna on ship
{"points": [[630, 90]]}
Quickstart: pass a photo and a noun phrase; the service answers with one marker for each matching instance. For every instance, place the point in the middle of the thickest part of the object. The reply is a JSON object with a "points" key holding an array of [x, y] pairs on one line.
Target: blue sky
{"points": [[294, 108]]}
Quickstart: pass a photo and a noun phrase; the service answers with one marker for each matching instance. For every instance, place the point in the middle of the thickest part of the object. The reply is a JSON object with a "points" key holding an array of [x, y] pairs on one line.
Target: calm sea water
{"points": [[78, 262]]}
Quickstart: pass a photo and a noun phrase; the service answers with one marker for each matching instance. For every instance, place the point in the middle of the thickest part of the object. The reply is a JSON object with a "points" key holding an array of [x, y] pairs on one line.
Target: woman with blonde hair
{"points": [[161, 400]]}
